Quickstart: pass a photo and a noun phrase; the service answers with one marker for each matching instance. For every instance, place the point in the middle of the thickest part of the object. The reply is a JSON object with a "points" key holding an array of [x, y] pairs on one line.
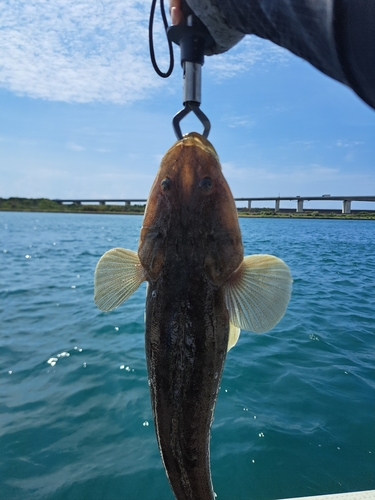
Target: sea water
{"points": [[296, 409]]}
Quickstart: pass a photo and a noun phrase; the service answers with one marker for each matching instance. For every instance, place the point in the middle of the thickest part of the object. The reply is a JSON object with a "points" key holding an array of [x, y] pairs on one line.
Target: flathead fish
{"points": [[201, 292]]}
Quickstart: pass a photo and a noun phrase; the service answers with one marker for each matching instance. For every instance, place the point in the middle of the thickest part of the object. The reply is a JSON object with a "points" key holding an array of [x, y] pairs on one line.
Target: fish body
{"points": [[190, 244], [200, 292]]}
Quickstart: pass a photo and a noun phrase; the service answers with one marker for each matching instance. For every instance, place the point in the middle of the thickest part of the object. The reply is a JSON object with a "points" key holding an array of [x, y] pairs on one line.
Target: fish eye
{"points": [[166, 184], [205, 184]]}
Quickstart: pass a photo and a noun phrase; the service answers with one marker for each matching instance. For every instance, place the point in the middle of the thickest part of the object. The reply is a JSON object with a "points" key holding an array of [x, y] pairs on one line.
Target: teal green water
{"points": [[296, 410]]}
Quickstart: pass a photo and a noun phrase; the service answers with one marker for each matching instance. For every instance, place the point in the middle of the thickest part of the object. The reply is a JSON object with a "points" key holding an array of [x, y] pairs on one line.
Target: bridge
{"points": [[346, 201]]}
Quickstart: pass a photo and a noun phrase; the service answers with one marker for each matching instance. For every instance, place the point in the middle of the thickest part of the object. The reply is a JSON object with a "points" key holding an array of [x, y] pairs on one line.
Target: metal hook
{"points": [[194, 107], [193, 39]]}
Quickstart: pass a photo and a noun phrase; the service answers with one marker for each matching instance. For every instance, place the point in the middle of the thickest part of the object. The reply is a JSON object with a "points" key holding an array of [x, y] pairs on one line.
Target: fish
{"points": [[201, 291]]}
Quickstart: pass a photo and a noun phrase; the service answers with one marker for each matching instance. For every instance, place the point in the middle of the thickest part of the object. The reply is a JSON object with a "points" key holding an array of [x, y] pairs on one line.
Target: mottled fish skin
{"points": [[201, 293], [190, 244]]}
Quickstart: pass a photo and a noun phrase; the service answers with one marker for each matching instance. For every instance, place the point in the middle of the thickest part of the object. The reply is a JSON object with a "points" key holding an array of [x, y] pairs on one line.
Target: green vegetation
{"points": [[46, 205], [306, 214]]}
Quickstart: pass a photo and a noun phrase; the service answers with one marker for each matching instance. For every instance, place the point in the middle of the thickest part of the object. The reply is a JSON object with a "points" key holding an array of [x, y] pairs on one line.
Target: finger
{"points": [[177, 16]]}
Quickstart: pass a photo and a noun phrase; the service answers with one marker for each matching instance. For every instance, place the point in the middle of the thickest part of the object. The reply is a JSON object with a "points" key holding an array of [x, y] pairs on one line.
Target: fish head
{"points": [[191, 212]]}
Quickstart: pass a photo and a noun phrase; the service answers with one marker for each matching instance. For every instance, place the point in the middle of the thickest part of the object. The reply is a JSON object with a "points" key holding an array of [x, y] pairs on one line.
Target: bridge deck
{"points": [[346, 201], [270, 198]]}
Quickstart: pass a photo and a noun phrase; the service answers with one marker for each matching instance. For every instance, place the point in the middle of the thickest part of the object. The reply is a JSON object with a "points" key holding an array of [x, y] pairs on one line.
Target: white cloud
{"points": [[85, 50], [303, 180], [74, 147], [239, 121], [103, 150], [250, 51], [55, 181], [302, 174], [77, 51], [347, 144]]}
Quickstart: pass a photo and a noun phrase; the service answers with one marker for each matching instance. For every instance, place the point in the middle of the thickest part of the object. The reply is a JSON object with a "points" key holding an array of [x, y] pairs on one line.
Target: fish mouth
{"points": [[197, 140]]}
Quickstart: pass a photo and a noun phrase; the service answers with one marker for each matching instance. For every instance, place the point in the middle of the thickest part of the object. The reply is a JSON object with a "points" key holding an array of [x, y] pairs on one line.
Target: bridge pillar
{"points": [[277, 205], [101, 202], [78, 202], [299, 206], [127, 203], [346, 206], [249, 204]]}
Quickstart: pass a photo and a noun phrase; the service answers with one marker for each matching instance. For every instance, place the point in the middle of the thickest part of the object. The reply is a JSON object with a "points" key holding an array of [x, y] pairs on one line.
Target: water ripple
{"points": [[298, 401]]}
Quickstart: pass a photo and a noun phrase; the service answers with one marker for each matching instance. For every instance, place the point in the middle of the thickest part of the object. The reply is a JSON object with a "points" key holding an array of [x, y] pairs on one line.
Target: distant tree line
{"points": [[45, 205]]}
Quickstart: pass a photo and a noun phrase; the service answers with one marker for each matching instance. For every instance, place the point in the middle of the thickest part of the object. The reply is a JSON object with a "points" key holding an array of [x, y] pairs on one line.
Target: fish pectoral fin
{"points": [[234, 333], [118, 274], [257, 294]]}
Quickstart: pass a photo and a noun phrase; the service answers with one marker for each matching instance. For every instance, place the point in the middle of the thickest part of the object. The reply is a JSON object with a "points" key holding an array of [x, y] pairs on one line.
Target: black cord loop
{"points": [[151, 40]]}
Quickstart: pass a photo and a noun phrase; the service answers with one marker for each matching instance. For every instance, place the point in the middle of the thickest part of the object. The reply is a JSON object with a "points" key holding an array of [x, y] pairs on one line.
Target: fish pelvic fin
{"points": [[258, 293], [234, 333], [118, 274]]}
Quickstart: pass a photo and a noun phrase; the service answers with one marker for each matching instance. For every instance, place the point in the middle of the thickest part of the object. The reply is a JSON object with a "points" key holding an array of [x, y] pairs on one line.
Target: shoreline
{"points": [[307, 215], [45, 205]]}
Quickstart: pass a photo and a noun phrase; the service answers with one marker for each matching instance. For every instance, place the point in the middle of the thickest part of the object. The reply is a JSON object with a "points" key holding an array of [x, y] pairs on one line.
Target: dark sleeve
{"points": [[335, 36]]}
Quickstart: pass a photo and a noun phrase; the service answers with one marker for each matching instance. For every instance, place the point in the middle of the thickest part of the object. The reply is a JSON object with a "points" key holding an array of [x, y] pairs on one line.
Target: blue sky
{"points": [[84, 115]]}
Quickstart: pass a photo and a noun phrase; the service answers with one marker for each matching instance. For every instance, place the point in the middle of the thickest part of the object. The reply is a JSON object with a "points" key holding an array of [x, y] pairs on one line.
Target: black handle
{"points": [[193, 40]]}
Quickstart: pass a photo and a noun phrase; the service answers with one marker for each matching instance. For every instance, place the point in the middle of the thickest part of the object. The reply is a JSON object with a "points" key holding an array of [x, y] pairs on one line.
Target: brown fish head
{"points": [[191, 216]]}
